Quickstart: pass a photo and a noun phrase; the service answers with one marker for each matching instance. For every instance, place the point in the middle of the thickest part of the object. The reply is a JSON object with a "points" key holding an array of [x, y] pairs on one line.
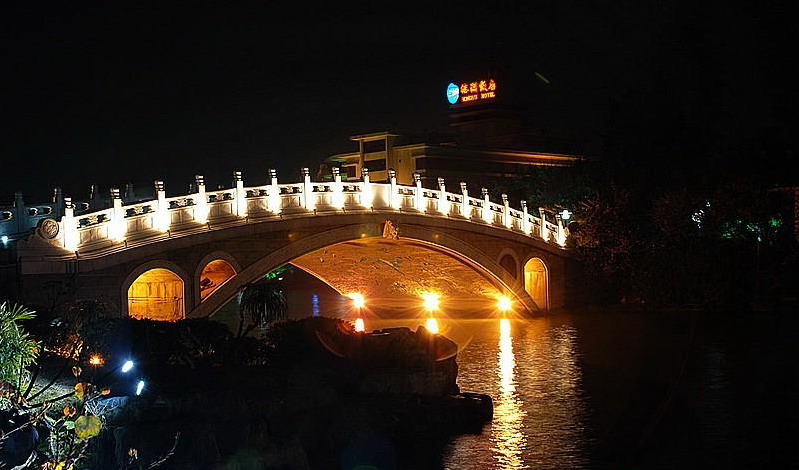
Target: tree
{"points": [[17, 349], [262, 303]]}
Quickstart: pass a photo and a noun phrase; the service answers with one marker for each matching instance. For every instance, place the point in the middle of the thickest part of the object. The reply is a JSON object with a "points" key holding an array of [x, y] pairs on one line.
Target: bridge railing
{"points": [[92, 230]]}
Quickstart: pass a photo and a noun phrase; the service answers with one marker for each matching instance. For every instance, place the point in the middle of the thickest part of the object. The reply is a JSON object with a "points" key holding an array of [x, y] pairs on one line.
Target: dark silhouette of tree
{"points": [[262, 303]]}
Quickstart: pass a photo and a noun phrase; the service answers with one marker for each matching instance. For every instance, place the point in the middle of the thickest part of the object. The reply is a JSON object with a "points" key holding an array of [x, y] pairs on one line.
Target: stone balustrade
{"points": [[82, 229]]}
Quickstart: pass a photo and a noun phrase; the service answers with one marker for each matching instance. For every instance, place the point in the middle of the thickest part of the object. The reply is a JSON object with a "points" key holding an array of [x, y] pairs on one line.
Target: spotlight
{"points": [[127, 366], [358, 300], [139, 387], [504, 304], [431, 301]]}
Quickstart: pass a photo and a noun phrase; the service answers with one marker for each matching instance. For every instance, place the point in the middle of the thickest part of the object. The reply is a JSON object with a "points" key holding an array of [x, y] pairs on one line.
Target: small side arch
{"points": [[536, 282], [156, 290], [218, 268], [508, 260]]}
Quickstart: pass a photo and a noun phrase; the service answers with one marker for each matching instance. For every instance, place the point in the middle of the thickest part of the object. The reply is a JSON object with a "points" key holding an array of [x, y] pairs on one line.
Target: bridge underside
{"points": [[394, 274]]}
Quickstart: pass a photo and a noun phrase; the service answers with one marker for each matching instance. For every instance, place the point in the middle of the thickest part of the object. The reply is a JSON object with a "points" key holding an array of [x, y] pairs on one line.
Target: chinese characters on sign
{"points": [[472, 91]]}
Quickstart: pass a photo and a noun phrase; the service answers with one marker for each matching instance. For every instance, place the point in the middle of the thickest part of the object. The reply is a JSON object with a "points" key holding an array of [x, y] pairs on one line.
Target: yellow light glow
{"points": [[432, 325], [360, 327], [358, 300], [431, 301], [504, 304], [96, 360]]}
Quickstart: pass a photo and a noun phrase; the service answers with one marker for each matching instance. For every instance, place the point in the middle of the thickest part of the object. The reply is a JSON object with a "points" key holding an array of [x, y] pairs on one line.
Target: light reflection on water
{"points": [[530, 369], [507, 436]]}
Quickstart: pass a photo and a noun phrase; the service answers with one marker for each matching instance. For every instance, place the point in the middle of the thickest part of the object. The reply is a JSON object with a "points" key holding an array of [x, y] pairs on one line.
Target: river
{"points": [[613, 389]]}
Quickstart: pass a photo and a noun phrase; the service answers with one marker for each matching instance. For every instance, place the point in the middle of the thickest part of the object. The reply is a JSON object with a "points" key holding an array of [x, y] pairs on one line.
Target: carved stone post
{"points": [[117, 225], [69, 227], [393, 196], [487, 215], [544, 229], [525, 219], [241, 195], [443, 202], [307, 191], [200, 200], [506, 212], [419, 200], [273, 199], [367, 195], [466, 210], [161, 217], [338, 189]]}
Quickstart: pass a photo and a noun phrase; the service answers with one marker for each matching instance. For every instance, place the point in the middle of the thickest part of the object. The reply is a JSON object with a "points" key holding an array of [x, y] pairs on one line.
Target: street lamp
{"points": [[565, 214]]}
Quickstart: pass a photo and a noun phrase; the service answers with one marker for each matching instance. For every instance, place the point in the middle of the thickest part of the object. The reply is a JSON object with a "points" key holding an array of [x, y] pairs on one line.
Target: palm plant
{"points": [[17, 349], [262, 303]]}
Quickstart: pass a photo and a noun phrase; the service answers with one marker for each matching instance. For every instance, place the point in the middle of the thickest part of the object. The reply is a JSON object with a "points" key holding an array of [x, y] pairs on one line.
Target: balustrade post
{"points": [[561, 234], [162, 221], [273, 199], [200, 200], [68, 226], [544, 230], [393, 197], [367, 195], [466, 210], [419, 200], [487, 215], [117, 225], [338, 189], [21, 217], [58, 202], [307, 191], [241, 195], [525, 219], [443, 202], [506, 219]]}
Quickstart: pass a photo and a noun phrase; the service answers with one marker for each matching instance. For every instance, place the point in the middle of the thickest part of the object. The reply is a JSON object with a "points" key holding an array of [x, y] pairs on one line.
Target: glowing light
{"points": [[360, 327], [139, 387], [565, 214], [431, 301], [358, 300], [504, 304], [4, 239], [127, 366], [453, 93], [432, 325], [96, 360]]}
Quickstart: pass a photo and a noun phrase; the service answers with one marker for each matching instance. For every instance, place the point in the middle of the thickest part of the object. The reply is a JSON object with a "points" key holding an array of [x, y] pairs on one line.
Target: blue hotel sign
{"points": [[471, 92]]}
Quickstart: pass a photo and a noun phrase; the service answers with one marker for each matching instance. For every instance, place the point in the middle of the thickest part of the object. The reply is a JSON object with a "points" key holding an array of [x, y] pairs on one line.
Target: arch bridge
{"points": [[187, 256]]}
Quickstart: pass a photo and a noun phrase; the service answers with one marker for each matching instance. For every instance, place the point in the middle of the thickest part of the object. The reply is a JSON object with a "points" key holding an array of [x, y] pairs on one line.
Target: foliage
{"points": [[17, 350], [262, 303]]}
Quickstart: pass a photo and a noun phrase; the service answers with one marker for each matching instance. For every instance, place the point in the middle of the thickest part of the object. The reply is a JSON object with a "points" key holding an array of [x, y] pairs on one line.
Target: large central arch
{"points": [[412, 237]]}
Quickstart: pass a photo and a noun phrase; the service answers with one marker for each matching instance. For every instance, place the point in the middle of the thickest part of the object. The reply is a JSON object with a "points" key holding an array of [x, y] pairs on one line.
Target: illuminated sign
{"points": [[471, 92], [453, 93]]}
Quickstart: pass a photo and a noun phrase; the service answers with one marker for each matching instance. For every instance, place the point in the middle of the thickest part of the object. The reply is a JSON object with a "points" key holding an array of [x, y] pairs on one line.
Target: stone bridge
{"points": [[186, 256]]}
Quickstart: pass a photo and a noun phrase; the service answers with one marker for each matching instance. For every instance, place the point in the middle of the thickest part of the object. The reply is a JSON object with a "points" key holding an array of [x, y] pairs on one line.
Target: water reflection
{"points": [[507, 436], [530, 368]]}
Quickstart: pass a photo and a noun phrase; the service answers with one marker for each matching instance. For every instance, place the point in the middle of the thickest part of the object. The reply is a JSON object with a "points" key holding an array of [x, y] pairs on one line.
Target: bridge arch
{"points": [[156, 290], [459, 249], [219, 267], [509, 260], [536, 282]]}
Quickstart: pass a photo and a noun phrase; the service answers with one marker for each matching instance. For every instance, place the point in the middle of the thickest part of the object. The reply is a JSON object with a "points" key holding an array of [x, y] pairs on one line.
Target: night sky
{"points": [[111, 93]]}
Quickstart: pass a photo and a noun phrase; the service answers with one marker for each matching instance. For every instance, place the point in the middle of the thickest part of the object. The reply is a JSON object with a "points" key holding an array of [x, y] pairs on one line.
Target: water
{"points": [[623, 390]]}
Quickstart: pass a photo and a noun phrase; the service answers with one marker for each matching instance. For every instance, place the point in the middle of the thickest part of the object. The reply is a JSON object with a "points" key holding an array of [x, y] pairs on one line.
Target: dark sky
{"points": [[110, 93]]}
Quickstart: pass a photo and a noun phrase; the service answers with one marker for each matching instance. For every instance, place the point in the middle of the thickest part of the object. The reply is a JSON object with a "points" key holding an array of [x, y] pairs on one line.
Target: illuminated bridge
{"points": [[186, 256]]}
